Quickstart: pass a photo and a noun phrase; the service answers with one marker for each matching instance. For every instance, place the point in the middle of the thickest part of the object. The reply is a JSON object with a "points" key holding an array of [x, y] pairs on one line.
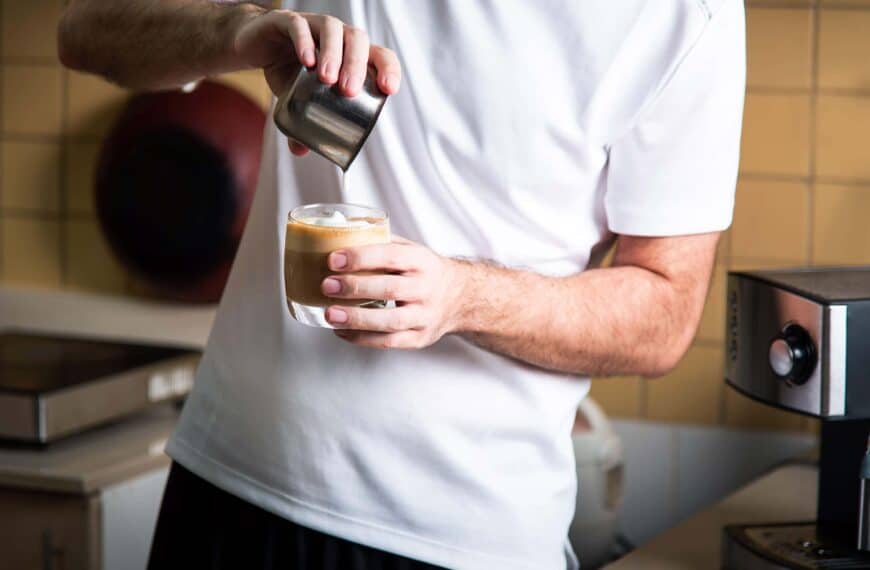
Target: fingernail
{"points": [[334, 315], [345, 82], [331, 286], [326, 72], [308, 57], [391, 82], [338, 260]]}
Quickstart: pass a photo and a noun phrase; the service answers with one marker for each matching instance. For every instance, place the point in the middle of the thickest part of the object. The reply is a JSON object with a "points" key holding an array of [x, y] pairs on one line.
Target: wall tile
{"points": [[80, 170], [771, 220], [29, 28], [691, 393], [90, 264], [93, 104], [619, 396], [742, 411], [749, 264], [31, 252], [775, 134], [844, 42], [843, 128], [723, 249], [31, 100], [29, 175], [778, 47], [841, 232], [712, 325]]}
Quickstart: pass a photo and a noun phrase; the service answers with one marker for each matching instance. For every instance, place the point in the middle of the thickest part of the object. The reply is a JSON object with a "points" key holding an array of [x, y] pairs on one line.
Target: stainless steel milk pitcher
{"points": [[324, 120]]}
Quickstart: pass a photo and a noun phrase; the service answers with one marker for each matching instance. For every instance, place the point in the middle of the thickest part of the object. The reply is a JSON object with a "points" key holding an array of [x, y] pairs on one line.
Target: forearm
{"points": [[151, 43], [619, 320]]}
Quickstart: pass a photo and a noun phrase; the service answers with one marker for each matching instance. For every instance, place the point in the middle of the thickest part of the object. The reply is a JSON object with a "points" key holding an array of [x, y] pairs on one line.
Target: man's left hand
{"points": [[426, 287]]}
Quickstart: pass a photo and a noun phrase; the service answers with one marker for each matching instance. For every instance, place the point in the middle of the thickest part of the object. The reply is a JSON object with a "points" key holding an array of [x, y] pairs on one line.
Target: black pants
{"points": [[201, 526]]}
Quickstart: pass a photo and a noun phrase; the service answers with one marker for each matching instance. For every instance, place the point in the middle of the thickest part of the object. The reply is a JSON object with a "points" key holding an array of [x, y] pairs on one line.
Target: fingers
{"points": [[404, 318], [303, 42], [382, 257], [345, 52], [389, 69], [356, 56], [399, 239], [404, 340], [381, 287], [330, 33], [297, 148]]}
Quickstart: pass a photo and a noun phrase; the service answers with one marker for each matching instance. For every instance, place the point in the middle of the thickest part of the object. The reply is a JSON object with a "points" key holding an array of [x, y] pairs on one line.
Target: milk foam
{"points": [[335, 220]]}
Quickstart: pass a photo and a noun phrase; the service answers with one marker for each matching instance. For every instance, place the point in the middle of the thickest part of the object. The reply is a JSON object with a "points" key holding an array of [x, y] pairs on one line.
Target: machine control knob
{"points": [[792, 354]]}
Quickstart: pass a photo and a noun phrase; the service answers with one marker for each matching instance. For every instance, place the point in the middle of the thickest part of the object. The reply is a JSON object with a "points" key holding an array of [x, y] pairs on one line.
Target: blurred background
{"points": [[803, 198]]}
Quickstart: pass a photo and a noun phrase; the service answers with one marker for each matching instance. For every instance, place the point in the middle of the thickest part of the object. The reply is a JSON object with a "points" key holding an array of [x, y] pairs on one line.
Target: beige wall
{"points": [[803, 195], [51, 123]]}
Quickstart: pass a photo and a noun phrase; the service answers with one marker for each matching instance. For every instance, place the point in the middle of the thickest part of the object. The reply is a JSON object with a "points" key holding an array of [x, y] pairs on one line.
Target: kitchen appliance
{"points": [[800, 340], [174, 185], [599, 462], [324, 120], [55, 386]]}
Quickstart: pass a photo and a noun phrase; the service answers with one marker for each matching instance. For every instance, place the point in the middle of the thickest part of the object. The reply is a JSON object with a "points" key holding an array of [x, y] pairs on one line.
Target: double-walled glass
{"points": [[313, 232]]}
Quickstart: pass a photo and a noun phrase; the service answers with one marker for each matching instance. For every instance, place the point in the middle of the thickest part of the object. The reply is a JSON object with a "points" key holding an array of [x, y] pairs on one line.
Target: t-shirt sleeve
{"points": [[675, 171]]}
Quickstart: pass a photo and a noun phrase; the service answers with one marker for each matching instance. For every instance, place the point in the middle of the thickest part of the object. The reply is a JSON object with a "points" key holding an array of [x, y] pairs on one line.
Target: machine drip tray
{"points": [[786, 546]]}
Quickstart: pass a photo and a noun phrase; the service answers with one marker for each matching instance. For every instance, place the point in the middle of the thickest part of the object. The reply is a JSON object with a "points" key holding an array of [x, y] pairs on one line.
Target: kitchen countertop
{"points": [[787, 493], [108, 317], [90, 461]]}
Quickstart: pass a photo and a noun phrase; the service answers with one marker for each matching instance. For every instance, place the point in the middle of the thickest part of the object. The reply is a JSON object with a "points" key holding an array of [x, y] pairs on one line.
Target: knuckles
{"points": [[356, 34]]}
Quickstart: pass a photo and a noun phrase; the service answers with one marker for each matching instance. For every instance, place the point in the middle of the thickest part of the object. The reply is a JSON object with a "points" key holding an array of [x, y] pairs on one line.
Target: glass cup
{"points": [[313, 232]]}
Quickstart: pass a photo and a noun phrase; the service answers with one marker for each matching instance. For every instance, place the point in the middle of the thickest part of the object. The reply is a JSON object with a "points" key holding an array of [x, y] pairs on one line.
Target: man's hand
{"points": [[164, 44], [426, 287], [637, 317], [275, 40]]}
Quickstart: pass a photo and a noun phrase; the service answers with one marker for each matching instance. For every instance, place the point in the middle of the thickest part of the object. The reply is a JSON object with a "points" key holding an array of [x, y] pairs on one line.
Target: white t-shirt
{"points": [[526, 133]]}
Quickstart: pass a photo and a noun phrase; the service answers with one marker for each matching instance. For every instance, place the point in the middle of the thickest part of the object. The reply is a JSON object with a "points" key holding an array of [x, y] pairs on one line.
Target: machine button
{"points": [[792, 354], [781, 357]]}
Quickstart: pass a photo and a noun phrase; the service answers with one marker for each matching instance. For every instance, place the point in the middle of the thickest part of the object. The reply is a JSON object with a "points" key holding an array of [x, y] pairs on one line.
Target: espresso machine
{"points": [[799, 340]]}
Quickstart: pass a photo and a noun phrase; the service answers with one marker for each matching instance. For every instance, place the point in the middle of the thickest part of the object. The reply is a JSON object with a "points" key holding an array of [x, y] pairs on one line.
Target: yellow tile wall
{"points": [[803, 195], [52, 123]]}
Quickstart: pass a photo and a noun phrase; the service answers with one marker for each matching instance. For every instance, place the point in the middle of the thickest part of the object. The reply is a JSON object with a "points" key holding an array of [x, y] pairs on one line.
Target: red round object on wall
{"points": [[175, 181]]}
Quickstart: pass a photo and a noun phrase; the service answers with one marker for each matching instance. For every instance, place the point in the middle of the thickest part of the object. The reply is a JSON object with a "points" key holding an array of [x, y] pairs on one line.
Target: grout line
{"points": [[770, 90], [29, 61], [36, 215], [814, 100], [771, 177], [47, 138], [63, 190], [859, 92], [2, 127], [841, 181]]}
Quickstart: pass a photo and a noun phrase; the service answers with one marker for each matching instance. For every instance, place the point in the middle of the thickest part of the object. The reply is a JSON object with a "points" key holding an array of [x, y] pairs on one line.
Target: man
{"points": [[526, 137]]}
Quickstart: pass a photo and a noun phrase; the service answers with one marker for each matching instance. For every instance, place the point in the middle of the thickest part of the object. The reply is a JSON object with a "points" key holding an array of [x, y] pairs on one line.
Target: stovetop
{"points": [[35, 364]]}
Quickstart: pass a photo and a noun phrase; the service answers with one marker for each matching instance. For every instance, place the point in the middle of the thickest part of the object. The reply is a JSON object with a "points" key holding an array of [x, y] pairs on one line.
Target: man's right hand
{"points": [[276, 39]]}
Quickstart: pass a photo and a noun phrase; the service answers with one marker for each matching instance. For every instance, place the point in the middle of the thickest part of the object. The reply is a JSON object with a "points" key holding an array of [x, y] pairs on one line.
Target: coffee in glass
{"points": [[313, 232]]}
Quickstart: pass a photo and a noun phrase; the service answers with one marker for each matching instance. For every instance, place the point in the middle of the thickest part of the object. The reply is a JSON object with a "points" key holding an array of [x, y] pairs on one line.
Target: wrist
{"points": [[235, 20], [465, 294]]}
